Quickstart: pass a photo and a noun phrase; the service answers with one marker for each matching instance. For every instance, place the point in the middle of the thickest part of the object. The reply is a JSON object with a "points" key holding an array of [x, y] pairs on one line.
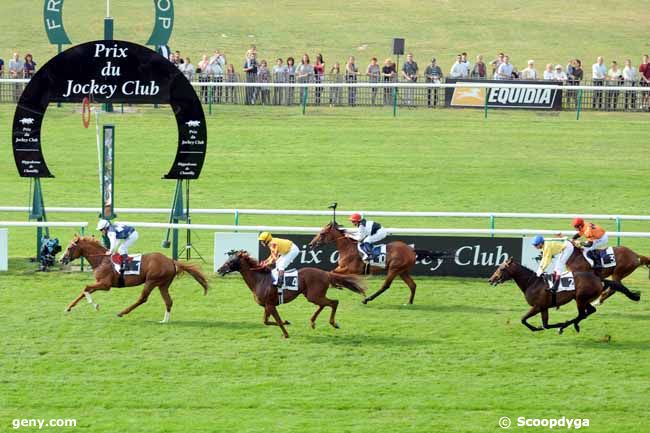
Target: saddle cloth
{"points": [[379, 256], [605, 257], [567, 283], [290, 279], [132, 265]]}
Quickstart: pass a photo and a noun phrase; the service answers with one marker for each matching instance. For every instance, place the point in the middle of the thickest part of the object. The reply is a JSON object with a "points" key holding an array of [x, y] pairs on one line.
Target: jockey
{"points": [[368, 233], [117, 233], [595, 235], [283, 252], [551, 248]]}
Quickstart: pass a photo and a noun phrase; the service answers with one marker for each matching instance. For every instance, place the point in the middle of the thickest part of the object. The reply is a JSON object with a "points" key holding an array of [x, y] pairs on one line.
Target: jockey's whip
{"points": [[333, 207]]}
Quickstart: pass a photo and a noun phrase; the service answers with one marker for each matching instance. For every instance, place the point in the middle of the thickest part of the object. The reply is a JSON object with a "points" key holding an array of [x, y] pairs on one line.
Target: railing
{"points": [[342, 90]]}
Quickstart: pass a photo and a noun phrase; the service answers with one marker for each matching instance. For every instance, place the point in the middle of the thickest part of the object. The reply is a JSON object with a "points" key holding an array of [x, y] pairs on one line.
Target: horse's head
{"points": [[73, 251], [233, 264], [502, 274], [328, 234]]}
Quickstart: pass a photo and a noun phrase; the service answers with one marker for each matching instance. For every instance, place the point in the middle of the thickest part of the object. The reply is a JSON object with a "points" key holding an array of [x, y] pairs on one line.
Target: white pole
{"points": [[99, 152], [108, 8]]}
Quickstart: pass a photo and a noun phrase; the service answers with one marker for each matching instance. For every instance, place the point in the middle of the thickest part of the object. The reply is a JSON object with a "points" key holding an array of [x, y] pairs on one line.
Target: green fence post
{"points": [[485, 106], [236, 217], [492, 225], [394, 101], [618, 229], [210, 93], [304, 101], [82, 257], [579, 104]]}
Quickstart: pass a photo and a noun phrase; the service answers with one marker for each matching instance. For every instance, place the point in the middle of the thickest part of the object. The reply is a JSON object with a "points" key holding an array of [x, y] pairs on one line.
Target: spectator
{"points": [[373, 72], [351, 72], [530, 73], [250, 69], [204, 75], [2, 67], [16, 70], [319, 75], [30, 66], [410, 74], [458, 68], [479, 70], [231, 77], [495, 64], [598, 75], [504, 72], [574, 78], [263, 77], [279, 76], [465, 60], [644, 76], [217, 70], [614, 78], [389, 75], [548, 72], [559, 74], [179, 59], [569, 68], [291, 78], [630, 78], [336, 77], [187, 69], [433, 74], [304, 74]]}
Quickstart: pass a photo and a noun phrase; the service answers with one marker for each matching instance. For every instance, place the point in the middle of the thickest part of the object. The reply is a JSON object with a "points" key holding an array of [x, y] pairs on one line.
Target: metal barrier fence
{"points": [[354, 91]]}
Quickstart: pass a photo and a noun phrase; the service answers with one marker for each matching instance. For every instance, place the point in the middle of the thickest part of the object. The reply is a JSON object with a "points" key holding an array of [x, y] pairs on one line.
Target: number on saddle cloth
{"points": [[604, 258], [567, 282], [132, 265]]}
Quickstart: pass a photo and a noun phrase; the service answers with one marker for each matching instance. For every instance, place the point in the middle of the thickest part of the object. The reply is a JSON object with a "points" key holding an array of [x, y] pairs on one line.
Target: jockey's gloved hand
{"points": [[538, 273]]}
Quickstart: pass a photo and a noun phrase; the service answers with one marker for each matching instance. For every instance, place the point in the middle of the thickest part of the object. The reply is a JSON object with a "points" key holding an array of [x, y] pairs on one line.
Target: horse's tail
{"points": [[433, 255], [194, 271], [619, 287], [351, 282], [644, 260]]}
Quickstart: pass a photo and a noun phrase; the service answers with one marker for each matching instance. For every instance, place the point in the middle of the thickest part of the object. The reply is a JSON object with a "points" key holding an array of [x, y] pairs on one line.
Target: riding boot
{"points": [[554, 289], [123, 265], [367, 249]]}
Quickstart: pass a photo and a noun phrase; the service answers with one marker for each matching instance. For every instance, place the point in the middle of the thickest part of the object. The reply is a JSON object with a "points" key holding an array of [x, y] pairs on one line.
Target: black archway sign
{"points": [[110, 71]]}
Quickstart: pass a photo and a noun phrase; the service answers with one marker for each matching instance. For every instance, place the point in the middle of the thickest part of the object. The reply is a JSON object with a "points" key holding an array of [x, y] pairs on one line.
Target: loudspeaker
{"points": [[398, 46]]}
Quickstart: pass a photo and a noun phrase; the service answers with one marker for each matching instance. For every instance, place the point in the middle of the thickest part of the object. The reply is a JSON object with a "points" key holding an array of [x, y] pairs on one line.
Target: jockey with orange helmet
{"points": [[595, 235], [368, 232], [283, 252]]}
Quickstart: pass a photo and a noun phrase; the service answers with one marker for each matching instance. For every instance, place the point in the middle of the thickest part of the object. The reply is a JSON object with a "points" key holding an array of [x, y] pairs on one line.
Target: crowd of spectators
{"points": [[254, 70]]}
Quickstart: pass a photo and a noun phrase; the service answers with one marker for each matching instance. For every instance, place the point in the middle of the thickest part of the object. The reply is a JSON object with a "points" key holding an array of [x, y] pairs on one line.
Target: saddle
{"points": [[603, 258], [132, 264]]}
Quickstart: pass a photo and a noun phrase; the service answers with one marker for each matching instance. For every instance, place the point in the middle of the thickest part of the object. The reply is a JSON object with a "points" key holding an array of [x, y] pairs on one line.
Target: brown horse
{"points": [[535, 289], [400, 258], [626, 262], [312, 283], [156, 270]]}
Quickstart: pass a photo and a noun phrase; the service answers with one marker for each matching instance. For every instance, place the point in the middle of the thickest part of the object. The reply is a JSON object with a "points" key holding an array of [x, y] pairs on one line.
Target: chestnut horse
{"points": [[400, 258], [535, 289], [312, 283], [626, 262], [156, 270]]}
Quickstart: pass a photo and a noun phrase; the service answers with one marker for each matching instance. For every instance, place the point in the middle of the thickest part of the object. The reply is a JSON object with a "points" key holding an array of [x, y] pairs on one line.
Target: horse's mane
{"points": [[90, 239], [244, 255]]}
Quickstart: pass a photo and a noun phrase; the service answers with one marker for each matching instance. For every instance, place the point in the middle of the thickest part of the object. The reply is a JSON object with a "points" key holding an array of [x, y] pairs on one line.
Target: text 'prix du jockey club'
{"points": [[135, 88]]}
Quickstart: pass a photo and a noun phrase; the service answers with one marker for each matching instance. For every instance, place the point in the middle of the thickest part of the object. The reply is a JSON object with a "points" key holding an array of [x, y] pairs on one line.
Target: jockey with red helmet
{"points": [[595, 235], [368, 232]]}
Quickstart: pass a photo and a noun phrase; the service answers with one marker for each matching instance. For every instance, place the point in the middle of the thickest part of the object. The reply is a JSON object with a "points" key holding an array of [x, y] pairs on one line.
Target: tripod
{"points": [[187, 249]]}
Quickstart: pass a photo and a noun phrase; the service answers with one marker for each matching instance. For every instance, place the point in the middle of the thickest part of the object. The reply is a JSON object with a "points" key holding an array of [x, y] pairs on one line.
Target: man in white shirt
{"points": [[598, 73], [16, 70], [457, 68], [630, 77], [529, 73], [559, 74], [504, 72]]}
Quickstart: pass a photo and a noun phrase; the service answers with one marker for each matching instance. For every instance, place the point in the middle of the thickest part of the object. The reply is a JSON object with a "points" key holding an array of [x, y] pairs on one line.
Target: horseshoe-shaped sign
{"points": [[110, 71], [162, 29]]}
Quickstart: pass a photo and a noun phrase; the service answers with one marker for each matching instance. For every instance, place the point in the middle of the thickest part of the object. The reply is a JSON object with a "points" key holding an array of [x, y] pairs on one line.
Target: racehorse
{"points": [[400, 258], [588, 287], [312, 283], [626, 262], [156, 270]]}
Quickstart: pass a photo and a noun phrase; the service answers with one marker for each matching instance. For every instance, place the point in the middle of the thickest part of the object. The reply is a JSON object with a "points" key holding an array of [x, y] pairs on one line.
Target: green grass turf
{"points": [[456, 361], [549, 31]]}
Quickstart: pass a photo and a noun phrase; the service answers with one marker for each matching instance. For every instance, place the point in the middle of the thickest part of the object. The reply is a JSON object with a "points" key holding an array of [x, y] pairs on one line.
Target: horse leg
{"points": [[387, 282], [334, 304], [584, 310], [274, 312], [99, 285], [267, 322], [148, 287], [545, 323], [524, 320], [409, 282], [164, 292], [312, 319]]}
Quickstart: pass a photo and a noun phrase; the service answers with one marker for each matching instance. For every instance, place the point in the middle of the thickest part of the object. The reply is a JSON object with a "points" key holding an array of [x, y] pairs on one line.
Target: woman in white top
{"points": [[614, 78], [559, 74], [548, 72], [630, 78]]}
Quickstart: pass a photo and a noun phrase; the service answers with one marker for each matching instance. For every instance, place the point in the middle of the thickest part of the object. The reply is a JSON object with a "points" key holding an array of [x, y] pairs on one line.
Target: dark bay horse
{"points": [[400, 258], [627, 261], [535, 289], [156, 270], [312, 283]]}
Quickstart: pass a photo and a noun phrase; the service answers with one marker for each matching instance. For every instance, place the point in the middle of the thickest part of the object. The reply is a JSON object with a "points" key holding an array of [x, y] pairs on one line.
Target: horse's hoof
{"points": [[119, 314], [96, 306], [286, 322], [577, 328], [560, 331], [67, 311], [335, 325], [365, 300], [313, 325]]}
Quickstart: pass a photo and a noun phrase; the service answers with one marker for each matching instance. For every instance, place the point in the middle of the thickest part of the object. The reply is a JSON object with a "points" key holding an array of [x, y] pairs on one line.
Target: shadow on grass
{"points": [[437, 308], [605, 342], [216, 324], [373, 340]]}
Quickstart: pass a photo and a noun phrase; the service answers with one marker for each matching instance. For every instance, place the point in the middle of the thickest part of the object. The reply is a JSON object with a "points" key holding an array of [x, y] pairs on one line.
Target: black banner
{"points": [[503, 97], [469, 256], [110, 71]]}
